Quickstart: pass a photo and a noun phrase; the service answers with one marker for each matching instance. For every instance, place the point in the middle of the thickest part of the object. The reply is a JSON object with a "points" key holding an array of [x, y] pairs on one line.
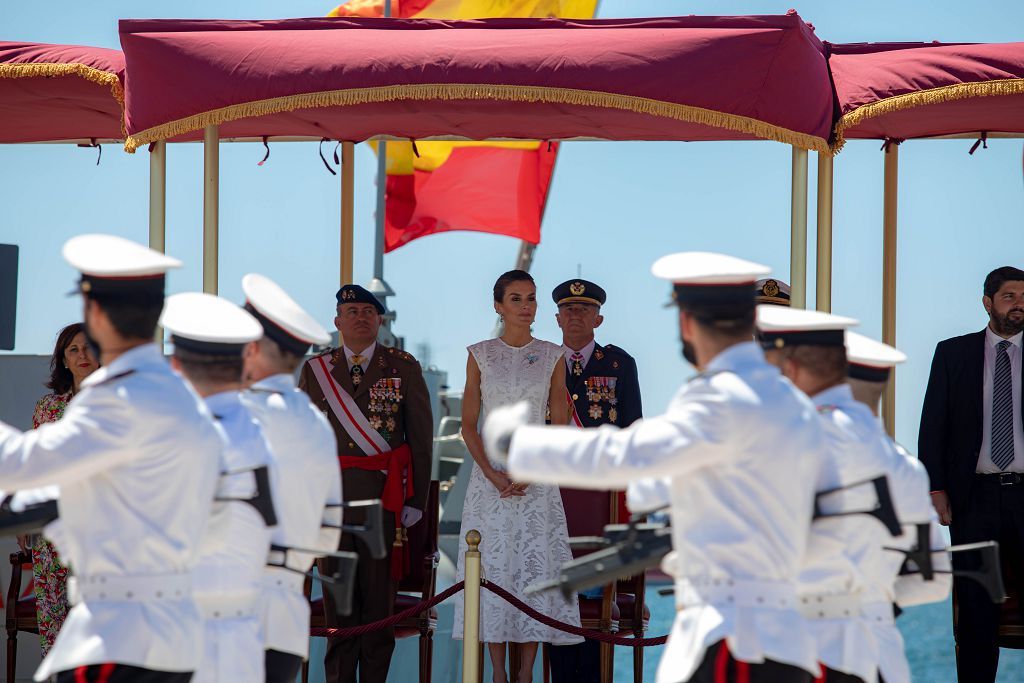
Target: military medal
{"points": [[613, 414], [596, 411]]}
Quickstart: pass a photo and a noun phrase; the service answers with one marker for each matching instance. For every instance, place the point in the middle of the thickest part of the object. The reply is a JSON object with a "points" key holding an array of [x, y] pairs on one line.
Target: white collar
{"points": [[992, 338], [281, 382], [367, 354], [132, 359], [841, 395], [736, 356], [587, 351]]}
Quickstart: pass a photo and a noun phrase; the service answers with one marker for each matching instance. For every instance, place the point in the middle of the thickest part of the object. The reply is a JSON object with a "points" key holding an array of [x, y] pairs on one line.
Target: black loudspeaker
{"points": [[8, 294]]}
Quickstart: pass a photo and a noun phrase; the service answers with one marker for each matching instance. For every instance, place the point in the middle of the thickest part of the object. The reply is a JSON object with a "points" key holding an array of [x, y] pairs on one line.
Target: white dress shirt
{"points": [[587, 351], [743, 450], [132, 449], [229, 577], [985, 464], [366, 353], [305, 478]]}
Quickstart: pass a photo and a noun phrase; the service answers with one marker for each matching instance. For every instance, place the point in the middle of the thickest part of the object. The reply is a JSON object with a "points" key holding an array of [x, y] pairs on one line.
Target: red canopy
{"points": [[692, 78], [913, 90], [60, 92]]}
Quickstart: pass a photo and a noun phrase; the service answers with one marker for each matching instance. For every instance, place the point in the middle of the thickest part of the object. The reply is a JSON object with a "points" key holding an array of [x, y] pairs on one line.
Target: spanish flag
{"points": [[495, 187]]}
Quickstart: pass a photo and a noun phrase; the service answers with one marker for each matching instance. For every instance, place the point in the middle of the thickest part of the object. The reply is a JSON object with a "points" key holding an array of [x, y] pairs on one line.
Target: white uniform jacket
{"points": [[742, 448], [305, 478], [908, 480], [228, 579], [132, 448], [846, 567], [915, 509]]}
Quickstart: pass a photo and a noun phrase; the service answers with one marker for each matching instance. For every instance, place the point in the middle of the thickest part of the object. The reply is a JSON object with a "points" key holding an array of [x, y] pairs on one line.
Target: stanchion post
{"points": [[889, 228], [471, 617]]}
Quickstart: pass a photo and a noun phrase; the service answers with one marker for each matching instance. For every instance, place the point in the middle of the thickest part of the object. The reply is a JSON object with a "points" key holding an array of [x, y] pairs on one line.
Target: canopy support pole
{"points": [[378, 285], [347, 209], [158, 206], [823, 290], [798, 230], [158, 196], [889, 235], [211, 207]]}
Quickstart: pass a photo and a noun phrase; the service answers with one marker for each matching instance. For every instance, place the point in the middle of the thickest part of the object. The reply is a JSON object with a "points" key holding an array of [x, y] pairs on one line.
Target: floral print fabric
{"points": [[49, 576]]}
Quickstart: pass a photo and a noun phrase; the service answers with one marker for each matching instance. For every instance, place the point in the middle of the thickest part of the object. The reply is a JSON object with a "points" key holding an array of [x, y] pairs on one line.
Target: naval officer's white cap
{"points": [[711, 285], [779, 327], [283, 320], [208, 324], [116, 267], [870, 360]]}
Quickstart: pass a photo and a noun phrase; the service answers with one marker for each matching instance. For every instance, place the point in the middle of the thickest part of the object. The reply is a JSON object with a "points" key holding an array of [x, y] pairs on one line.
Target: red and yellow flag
{"points": [[495, 187]]}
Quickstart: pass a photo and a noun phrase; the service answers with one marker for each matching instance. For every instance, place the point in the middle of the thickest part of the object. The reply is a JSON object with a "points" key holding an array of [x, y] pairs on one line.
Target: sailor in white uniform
{"points": [[846, 564], [870, 365], [743, 449], [133, 446], [208, 334], [305, 477]]}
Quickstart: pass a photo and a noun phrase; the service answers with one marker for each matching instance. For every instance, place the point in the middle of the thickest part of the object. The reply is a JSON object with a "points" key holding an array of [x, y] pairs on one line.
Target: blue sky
{"points": [[614, 208]]}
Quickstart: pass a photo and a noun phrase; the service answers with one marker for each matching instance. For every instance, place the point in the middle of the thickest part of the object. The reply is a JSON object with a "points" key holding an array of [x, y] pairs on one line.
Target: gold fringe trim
{"points": [[46, 70], [50, 70], [460, 91], [947, 93]]}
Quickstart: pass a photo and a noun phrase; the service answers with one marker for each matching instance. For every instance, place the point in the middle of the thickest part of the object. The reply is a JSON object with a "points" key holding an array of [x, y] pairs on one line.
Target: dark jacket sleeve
{"points": [[419, 434], [631, 409], [932, 444]]}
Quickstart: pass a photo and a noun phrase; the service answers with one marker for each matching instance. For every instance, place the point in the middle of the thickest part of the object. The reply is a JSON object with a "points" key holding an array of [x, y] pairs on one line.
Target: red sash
{"points": [[397, 489]]}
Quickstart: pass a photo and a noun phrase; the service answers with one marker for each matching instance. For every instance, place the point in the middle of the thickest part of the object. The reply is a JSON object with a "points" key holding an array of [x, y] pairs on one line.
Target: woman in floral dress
{"points": [[524, 536], [72, 362]]}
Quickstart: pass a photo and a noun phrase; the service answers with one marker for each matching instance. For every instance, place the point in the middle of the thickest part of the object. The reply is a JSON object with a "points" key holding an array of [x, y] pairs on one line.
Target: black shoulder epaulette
{"points": [[112, 378], [401, 355], [616, 350]]}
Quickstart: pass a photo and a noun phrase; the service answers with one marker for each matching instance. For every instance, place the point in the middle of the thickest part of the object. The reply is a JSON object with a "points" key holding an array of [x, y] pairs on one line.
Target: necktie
{"points": [[357, 369], [1002, 409], [577, 363]]}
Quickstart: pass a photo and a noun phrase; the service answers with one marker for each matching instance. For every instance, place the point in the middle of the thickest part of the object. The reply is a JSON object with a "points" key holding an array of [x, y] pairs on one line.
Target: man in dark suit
{"points": [[972, 444], [603, 389], [376, 401]]}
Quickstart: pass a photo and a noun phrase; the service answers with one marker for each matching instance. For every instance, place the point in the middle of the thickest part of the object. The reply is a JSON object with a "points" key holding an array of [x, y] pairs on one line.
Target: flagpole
{"points": [[378, 286]]}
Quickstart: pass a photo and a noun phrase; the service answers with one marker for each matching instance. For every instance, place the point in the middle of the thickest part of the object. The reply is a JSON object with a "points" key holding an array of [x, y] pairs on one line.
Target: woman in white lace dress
{"points": [[522, 526]]}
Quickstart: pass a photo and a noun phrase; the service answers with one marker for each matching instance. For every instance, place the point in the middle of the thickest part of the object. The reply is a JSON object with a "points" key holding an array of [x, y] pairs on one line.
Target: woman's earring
{"points": [[501, 319]]}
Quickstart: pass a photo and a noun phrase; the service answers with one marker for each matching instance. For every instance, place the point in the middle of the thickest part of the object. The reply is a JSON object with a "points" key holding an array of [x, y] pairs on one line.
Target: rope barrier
{"points": [[568, 628], [354, 631]]}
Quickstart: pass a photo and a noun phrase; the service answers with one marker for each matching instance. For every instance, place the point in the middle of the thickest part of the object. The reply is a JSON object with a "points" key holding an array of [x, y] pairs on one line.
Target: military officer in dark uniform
{"points": [[771, 291], [376, 401], [603, 389]]}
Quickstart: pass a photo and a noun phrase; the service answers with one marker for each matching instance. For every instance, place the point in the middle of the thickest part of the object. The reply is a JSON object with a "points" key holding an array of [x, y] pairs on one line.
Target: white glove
{"points": [[499, 428], [410, 516]]}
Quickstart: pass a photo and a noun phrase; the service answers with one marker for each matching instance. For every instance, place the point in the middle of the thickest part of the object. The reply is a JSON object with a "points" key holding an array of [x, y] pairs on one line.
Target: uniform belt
{"points": [[238, 606], [119, 588], [283, 579], [1001, 478], [834, 606], [734, 593]]}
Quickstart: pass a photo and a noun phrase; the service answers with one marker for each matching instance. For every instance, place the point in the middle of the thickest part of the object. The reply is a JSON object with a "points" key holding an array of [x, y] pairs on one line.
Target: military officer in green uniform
{"points": [[602, 387]]}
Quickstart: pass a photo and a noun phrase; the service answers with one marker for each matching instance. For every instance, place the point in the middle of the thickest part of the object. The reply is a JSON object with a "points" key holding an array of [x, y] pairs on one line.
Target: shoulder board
{"points": [[827, 409], [326, 352], [401, 355], [114, 378], [616, 351]]}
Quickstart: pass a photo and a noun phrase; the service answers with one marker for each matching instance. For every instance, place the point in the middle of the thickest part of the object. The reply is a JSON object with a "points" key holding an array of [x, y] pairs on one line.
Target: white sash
{"points": [[345, 409]]}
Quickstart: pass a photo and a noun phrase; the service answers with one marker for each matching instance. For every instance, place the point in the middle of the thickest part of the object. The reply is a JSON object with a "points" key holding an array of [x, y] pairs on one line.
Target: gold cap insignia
{"points": [[577, 288], [86, 286], [771, 288]]}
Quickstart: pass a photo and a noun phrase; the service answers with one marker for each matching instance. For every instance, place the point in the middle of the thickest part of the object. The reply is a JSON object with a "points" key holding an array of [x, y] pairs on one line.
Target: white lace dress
{"points": [[524, 538]]}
